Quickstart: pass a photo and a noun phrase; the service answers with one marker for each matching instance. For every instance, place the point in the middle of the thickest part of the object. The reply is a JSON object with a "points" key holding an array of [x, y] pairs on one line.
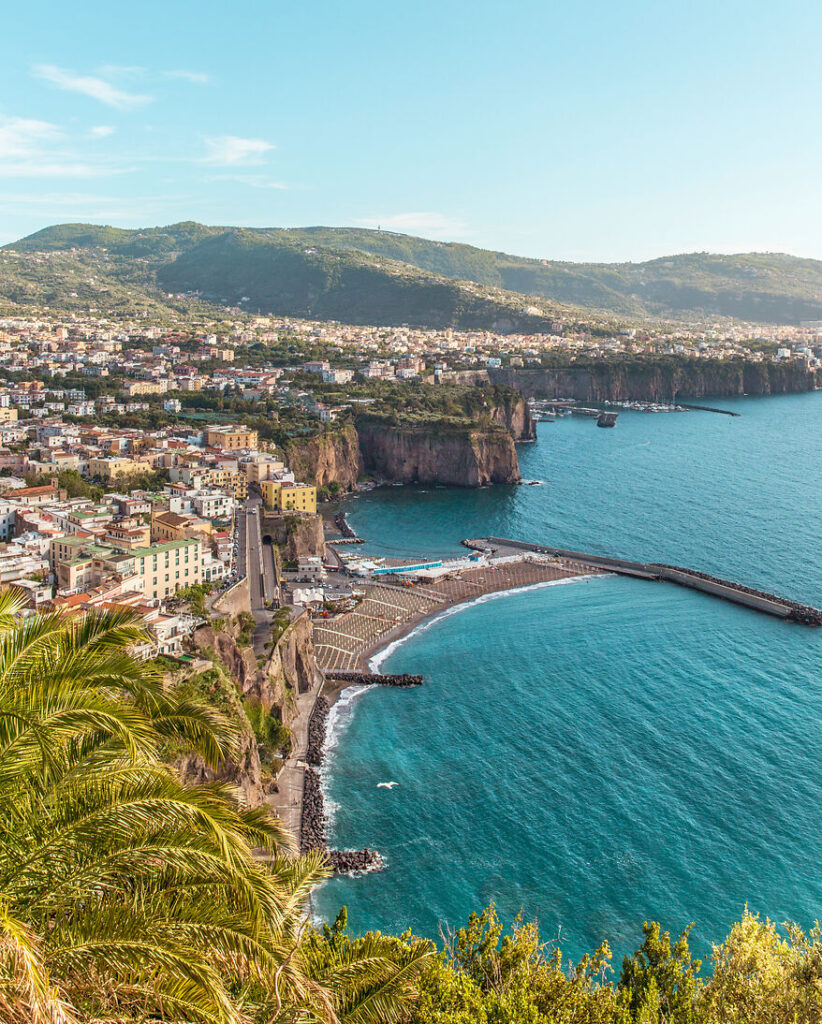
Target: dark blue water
{"points": [[606, 752]]}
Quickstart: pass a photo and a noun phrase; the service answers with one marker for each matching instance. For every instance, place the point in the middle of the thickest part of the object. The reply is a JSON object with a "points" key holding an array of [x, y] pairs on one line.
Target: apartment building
{"points": [[231, 438], [157, 570], [262, 467], [227, 478], [146, 387], [282, 495], [168, 526]]}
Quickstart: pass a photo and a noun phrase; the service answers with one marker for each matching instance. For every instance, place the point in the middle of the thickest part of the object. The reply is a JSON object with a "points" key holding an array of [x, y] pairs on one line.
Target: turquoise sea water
{"points": [[605, 752]]}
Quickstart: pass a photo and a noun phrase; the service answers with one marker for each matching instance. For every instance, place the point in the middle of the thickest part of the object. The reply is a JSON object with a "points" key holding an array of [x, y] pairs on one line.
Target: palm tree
{"points": [[371, 978], [127, 896], [123, 893]]}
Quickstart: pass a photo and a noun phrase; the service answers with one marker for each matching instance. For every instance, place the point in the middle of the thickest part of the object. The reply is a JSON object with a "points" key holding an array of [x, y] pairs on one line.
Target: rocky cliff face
{"points": [[328, 458], [515, 416], [224, 684], [291, 669], [428, 455], [295, 534], [659, 381]]}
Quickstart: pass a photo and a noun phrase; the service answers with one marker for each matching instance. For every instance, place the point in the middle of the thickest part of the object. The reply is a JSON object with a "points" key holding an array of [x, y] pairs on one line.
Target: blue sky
{"points": [[600, 131]]}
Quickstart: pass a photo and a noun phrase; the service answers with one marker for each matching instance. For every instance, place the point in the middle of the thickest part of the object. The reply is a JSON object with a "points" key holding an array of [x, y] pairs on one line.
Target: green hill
{"points": [[381, 277]]}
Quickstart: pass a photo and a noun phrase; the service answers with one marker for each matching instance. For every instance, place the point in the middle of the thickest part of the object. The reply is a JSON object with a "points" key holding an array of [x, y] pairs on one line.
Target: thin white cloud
{"points": [[426, 222], [232, 151], [100, 131], [195, 77], [121, 69], [253, 180], [37, 149], [52, 169], [90, 85], [21, 136]]}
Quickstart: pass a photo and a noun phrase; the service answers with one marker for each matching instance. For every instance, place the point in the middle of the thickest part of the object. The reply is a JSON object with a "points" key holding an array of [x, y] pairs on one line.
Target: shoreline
{"points": [[402, 633], [323, 725]]}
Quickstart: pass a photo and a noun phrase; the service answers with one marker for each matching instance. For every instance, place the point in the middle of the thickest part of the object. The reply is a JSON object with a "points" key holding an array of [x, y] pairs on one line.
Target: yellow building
{"points": [[167, 526], [284, 496], [8, 415], [231, 438], [115, 467], [109, 467], [229, 480], [146, 387]]}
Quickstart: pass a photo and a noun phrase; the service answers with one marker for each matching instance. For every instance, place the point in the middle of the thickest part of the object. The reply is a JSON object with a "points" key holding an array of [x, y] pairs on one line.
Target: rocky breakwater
{"points": [[352, 678], [314, 825], [326, 459], [347, 533], [439, 453]]}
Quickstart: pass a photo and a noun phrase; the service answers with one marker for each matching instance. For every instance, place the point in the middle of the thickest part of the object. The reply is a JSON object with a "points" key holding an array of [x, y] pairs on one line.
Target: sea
{"points": [[610, 751]]}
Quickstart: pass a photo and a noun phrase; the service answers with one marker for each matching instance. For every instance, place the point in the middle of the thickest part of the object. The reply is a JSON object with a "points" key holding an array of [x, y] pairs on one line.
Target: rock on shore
{"points": [[313, 832]]}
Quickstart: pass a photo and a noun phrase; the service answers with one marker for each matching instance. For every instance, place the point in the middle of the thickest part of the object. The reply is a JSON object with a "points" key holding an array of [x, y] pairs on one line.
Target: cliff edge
{"points": [[460, 457]]}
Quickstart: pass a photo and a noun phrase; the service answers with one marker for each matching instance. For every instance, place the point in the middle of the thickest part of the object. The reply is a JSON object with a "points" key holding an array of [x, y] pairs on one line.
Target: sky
{"points": [[604, 130]]}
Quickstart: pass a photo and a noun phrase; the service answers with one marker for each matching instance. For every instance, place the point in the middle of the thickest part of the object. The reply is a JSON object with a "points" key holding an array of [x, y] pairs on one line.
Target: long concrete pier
{"points": [[758, 600]]}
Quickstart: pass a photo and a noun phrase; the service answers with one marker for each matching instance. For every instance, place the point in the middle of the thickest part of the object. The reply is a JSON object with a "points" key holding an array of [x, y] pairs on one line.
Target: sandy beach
{"points": [[388, 613]]}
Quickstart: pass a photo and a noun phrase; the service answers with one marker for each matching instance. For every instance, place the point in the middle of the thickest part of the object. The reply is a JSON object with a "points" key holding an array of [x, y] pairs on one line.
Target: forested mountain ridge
{"points": [[358, 275]]}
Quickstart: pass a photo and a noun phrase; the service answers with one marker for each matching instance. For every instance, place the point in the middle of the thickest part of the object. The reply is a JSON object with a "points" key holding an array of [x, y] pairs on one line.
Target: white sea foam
{"points": [[380, 657], [338, 719]]}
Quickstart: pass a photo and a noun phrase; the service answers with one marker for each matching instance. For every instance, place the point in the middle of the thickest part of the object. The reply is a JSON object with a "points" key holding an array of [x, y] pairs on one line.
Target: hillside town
{"points": [[95, 511], [97, 517], [240, 353]]}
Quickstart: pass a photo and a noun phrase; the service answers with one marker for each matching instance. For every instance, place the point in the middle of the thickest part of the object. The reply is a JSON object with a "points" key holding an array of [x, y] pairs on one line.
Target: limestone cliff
{"points": [[515, 415], [290, 670], [433, 454], [296, 534], [234, 678], [221, 687], [332, 457], [659, 380]]}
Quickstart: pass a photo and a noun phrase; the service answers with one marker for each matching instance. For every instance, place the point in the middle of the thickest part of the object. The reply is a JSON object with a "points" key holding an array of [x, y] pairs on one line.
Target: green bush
{"points": [[272, 736]]}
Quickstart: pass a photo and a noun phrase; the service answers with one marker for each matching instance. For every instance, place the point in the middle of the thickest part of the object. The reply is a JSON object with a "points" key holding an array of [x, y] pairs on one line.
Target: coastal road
{"points": [[260, 569], [262, 579]]}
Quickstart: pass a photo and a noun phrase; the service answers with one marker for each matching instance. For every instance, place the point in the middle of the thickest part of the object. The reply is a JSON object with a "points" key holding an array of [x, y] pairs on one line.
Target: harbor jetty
{"points": [[708, 408], [347, 534], [373, 679], [737, 593]]}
